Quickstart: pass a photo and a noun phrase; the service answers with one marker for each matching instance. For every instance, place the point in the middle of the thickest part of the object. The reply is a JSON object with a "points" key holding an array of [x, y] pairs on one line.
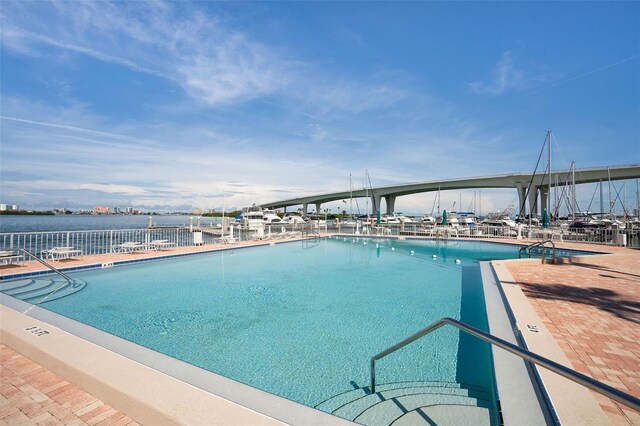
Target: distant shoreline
{"points": [[25, 213]]}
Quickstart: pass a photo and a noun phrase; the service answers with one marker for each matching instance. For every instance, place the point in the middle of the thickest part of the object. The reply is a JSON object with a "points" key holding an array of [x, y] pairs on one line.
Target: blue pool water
{"points": [[302, 320]]}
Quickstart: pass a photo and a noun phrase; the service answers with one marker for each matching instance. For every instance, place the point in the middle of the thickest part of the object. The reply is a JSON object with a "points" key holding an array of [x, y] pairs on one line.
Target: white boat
{"points": [[499, 221], [452, 220], [251, 217], [428, 220], [270, 216], [402, 218], [293, 218], [389, 218], [467, 219]]}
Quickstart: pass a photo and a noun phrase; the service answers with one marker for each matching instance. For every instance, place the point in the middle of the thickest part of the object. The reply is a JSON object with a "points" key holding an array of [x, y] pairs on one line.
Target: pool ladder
{"points": [[573, 375], [48, 265], [528, 248]]}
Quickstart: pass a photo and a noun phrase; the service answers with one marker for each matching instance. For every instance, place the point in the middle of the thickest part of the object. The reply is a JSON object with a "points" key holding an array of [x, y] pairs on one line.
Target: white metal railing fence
{"points": [[105, 241], [628, 236], [96, 242]]}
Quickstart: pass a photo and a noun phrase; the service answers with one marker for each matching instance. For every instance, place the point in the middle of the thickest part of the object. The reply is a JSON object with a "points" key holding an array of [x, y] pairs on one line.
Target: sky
{"points": [[170, 106]]}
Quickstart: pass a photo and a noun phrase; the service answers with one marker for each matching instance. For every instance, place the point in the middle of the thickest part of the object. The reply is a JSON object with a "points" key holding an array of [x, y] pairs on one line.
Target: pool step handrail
{"points": [[573, 375], [538, 244], [310, 230], [57, 271]]}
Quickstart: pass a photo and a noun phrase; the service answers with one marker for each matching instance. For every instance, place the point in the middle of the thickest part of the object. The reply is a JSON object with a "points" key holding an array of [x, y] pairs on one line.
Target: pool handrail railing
{"points": [[538, 244], [54, 269], [573, 375]]}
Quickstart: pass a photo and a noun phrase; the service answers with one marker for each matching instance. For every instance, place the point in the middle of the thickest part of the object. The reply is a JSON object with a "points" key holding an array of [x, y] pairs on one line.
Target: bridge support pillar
{"points": [[521, 201], [533, 200], [375, 203], [318, 206], [544, 199], [390, 201], [304, 209]]}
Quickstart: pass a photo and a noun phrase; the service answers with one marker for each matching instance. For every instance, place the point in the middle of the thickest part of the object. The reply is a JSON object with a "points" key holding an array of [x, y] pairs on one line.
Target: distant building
{"points": [[129, 210], [102, 210], [8, 207], [116, 210]]}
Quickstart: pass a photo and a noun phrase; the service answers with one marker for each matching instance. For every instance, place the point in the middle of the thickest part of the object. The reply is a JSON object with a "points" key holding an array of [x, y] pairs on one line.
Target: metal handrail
{"points": [[574, 376], [538, 244], [62, 274]]}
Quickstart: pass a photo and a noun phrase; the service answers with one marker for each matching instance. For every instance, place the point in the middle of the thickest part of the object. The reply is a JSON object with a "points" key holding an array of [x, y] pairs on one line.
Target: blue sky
{"points": [[173, 105]]}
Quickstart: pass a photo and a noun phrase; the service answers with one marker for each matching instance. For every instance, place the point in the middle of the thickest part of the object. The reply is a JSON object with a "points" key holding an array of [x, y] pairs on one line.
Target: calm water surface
{"points": [[91, 222]]}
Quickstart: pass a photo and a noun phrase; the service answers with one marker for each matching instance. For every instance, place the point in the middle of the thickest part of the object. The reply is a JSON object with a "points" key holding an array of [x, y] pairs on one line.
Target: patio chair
{"points": [[58, 253], [159, 245], [129, 247], [7, 257]]}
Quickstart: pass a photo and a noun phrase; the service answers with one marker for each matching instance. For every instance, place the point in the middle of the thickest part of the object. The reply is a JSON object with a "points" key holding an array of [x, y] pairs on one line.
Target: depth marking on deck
{"points": [[533, 328], [36, 331]]}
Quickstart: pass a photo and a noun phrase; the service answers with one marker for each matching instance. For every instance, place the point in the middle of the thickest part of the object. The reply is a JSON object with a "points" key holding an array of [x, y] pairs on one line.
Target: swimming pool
{"points": [[301, 320]]}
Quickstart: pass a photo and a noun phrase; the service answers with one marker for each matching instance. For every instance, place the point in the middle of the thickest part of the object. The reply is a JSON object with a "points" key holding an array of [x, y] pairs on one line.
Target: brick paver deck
{"points": [[592, 309], [32, 395]]}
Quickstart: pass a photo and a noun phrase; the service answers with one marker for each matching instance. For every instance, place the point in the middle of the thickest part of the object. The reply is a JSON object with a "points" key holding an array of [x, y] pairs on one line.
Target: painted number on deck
{"points": [[533, 328], [36, 331]]}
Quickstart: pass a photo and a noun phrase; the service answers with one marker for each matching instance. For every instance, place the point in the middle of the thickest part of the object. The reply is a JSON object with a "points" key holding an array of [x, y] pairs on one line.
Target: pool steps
{"points": [[41, 289], [412, 403]]}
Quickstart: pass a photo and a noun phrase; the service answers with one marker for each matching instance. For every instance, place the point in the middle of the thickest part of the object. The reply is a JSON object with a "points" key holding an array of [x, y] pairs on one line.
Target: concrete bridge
{"points": [[538, 184]]}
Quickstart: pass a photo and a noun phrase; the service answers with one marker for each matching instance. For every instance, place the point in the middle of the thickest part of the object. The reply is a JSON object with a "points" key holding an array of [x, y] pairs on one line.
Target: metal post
{"points": [[548, 203], [573, 181], [601, 200]]}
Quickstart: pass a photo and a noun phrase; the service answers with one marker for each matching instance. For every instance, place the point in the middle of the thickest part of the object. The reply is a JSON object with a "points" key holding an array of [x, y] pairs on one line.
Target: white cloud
{"points": [[505, 77], [209, 60], [41, 185]]}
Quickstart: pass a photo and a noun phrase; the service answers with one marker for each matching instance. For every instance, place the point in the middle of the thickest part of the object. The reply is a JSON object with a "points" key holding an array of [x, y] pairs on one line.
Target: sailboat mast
{"points": [[366, 194], [548, 206], [573, 186], [601, 200], [637, 200], [610, 203], [350, 198]]}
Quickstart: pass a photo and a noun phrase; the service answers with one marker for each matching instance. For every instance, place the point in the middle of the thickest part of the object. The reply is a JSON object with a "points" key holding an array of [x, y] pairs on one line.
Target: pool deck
{"points": [[591, 308]]}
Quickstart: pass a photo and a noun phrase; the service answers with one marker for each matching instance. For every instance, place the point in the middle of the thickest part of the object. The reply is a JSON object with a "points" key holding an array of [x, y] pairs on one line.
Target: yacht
{"points": [[293, 218], [270, 216], [428, 220], [402, 218], [501, 221], [467, 219], [452, 220], [389, 218], [251, 217]]}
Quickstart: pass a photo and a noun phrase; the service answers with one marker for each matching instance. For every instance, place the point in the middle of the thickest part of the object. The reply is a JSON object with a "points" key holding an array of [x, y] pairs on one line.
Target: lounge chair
{"points": [[129, 247], [159, 245], [227, 239], [57, 253], [7, 257]]}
